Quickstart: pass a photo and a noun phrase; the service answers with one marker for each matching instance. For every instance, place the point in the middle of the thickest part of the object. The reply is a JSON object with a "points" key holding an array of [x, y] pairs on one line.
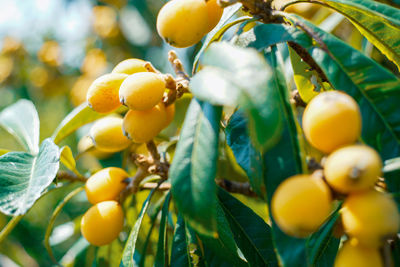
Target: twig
{"points": [[133, 184], [150, 186], [236, 187], [69, 176], [387, 255], [9, 227], [297, 100]]}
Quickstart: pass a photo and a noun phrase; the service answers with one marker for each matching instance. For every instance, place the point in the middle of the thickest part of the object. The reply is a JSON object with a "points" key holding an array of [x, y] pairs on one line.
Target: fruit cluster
{"points": [[183, 23], [131, 84], [301, 204], [103, 222]]}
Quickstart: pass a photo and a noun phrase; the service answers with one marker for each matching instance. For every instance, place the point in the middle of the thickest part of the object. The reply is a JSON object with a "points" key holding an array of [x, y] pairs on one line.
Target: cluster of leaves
{"points": [[246, 73]]}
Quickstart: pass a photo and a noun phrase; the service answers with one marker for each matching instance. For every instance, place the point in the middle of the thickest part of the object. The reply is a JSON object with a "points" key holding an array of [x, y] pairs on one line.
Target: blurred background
{"points": [[50, 52]]}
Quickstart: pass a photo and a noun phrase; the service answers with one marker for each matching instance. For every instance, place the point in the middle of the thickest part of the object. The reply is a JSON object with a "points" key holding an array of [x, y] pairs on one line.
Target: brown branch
{"points": [[297, 100], [150, 186], [69, 176], [236, 187], [133, 184]]}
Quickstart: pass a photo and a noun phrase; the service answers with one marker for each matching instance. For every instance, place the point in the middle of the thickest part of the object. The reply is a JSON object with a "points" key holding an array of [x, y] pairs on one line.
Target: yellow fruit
{"points": [[142, 91], [85, 144], [214, 13], [143, 125], [130, 66], [170, 110], [102, 223], [183, 23], [370, 217], [108, 136], [353, 168], [106, 184], [352, 254], [332, 119], [102, 95], [301, 204]]}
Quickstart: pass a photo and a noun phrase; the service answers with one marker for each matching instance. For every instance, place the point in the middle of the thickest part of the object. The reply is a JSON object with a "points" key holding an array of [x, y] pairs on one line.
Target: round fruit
{"points": [[370, 217], [130, 66], [142, 91], [108, 136], [332, 119], [301, 204], [106, 184], [102, 95], [214, 13], [141, 126], [102, 223], [352, 254], [183, 23], [170, 110], [352, 168]]}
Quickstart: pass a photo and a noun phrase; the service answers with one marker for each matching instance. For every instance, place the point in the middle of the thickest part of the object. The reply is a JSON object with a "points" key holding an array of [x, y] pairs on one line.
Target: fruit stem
{"points": [[69, 176]]}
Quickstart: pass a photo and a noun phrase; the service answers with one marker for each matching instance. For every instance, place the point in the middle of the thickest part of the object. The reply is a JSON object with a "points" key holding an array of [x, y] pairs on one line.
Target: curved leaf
{"points": [[22, 120], [378, 22], [78, 117], [161, 258], [248, 83], [251, 233], [180, 255], [23, 177], [194, 167], [130, 245]]}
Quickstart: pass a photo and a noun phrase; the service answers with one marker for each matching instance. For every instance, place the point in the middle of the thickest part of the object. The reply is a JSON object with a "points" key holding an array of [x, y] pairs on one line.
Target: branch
{"points": [[69, 176], [236, 187]]}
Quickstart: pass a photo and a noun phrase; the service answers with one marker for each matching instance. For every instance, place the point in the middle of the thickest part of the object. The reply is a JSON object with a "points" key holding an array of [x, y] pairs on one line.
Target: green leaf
{"points": [[245, 153], [161, 258], [180, 255], [22, 121], [223, 247], [253, 236], [130, 245], [23, 177], [194, 167], [322, 246], [248, 83], [379, 23], [219, 30], [78, 117]]}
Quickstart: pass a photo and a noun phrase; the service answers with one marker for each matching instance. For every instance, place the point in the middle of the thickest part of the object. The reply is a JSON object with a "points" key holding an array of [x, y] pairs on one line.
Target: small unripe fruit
{"points": [[170, 110], [102, 95], [141, 126], [142, 91], [352, 254], [352, 168], [332, 119], [86, 144], [183, 23], [107, 135], [370, 217], [105, 184], [130, 66], [102, 223], [301, 204], [214, 13]]}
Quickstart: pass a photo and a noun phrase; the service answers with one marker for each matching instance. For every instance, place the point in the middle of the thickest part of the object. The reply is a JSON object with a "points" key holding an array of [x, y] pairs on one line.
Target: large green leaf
{"points": [[379, 23], [21, 120], [245, 153], [78, 117], [162, 251], [130, 246], [23, 177], [194, 167], [253, 236], [179, 254], [237, 76], [222, 249]]}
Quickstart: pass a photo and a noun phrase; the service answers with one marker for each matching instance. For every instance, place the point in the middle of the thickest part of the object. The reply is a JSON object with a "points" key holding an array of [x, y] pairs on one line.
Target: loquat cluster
{"points": [[302, 203], [183, 23]]}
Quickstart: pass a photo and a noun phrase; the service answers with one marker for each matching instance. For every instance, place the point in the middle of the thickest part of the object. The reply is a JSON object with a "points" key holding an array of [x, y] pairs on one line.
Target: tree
{"points": [[195, 193]]}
